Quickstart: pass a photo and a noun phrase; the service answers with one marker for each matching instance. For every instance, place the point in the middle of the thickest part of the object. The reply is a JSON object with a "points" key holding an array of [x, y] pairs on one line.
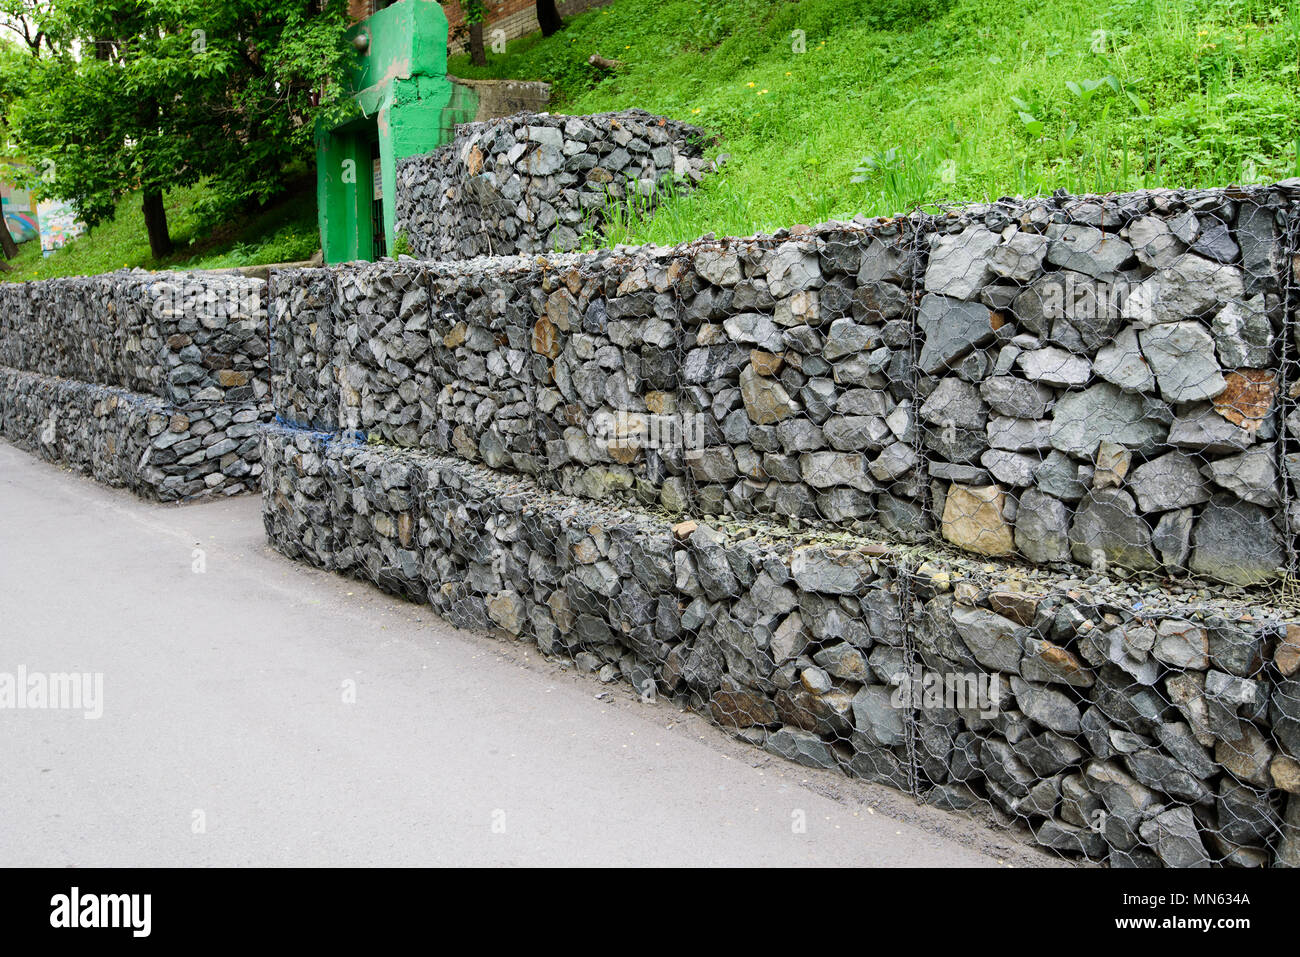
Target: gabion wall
{"points": [[1103, 722], [987, 505], [537, 182], [1009, 379], [152, 381]]}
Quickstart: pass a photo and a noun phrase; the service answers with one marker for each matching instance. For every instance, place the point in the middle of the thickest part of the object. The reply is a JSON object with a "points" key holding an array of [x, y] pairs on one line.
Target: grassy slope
{"points": [[285, 231], [971, 97]]}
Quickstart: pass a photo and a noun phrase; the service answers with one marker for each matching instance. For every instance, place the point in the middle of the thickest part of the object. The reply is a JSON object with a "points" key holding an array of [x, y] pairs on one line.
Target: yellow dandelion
{"points": [[761, 92], [696, 110], [751, 83]]}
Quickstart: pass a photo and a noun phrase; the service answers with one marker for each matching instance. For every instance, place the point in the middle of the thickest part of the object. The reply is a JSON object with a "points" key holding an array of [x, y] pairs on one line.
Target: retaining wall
{"points": [[1122, 725], [987, 505], [1010, 379], [537, 182], [154, 382]]}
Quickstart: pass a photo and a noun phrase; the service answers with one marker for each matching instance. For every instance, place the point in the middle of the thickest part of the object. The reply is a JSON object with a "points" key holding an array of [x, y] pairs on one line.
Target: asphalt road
{"points": [[258, 712]]}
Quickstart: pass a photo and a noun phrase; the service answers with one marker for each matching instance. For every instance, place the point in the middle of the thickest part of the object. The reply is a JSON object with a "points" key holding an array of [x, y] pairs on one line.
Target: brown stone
{"points": [[765, 363], [684, 530], [741, 708], [1285, 771], [179, 422], [1248, 757], [1016, 605], [178, 342], [1112, 465], [546, 339], [561, 310], [623, 451], [661, 403], [1248, 397], [474, 161], [405, 529], [456, 336], [229, 378], [972, 519], [1287, 656], [830, 712]]}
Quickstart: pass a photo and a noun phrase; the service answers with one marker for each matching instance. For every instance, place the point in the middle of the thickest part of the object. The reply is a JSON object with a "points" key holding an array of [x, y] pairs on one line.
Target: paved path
{"points": [[225, 738]]}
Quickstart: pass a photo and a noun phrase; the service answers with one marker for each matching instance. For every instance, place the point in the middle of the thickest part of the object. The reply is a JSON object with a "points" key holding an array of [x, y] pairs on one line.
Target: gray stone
{"points": [[1167, 482], [830, 571], [1154, 242], [1201, 428], [1182, 644], [1250, 475], [802, 747], [876, 718], [1019, 258], [1121, 362], [1191, 286], [1164, 774], [1172, 539], [951, 328], [1174, 838], [1215, 242], [1088, 250], [846, 338], [1107, 531], [1178, 740], [844, 661], [996, 642], [1061, 477], [1055, 367], [1042, 528], [1082, 420], [791, 268], [1243, 335], [1050, 708], [1010, 468], [1016, 398], [1019, 435], [1181, 355], [961, 263], [827, 469], [894, 462], [1235, 542], [851, 433], [955, 403]]}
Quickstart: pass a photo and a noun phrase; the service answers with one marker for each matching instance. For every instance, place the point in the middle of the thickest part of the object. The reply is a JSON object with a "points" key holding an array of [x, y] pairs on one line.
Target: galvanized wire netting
{"points": [[990, 505]]}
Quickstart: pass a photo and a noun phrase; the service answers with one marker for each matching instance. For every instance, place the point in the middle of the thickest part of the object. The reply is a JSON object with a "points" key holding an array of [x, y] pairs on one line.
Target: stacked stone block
{"points": [[152, 381], [540, 183], [836, 551]]}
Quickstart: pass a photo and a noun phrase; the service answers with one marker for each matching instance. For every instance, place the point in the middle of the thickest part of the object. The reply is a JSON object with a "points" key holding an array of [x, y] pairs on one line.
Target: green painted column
{"points": [[403, 98]]}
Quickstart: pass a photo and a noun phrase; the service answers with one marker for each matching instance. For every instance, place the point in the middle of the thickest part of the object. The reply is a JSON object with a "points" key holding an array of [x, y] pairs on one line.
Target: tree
{"points": [[174, 92], [475, 13], [548, 17], [12, 75]]}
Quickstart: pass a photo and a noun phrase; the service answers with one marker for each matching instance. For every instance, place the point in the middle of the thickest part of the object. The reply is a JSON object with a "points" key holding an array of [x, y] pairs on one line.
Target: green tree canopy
{"points": [[147, 95]]}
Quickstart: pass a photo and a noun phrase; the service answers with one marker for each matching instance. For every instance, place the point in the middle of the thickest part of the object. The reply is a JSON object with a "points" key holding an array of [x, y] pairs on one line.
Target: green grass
{"points": [[205, 237], [898, 103]]}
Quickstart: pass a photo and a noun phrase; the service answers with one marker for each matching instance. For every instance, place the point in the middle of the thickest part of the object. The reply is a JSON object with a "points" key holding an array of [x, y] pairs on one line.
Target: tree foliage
{"points": [[120, 96]]}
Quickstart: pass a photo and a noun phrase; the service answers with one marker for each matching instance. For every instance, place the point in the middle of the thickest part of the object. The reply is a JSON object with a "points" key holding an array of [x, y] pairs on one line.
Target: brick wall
{"points": [[516, 17]]}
